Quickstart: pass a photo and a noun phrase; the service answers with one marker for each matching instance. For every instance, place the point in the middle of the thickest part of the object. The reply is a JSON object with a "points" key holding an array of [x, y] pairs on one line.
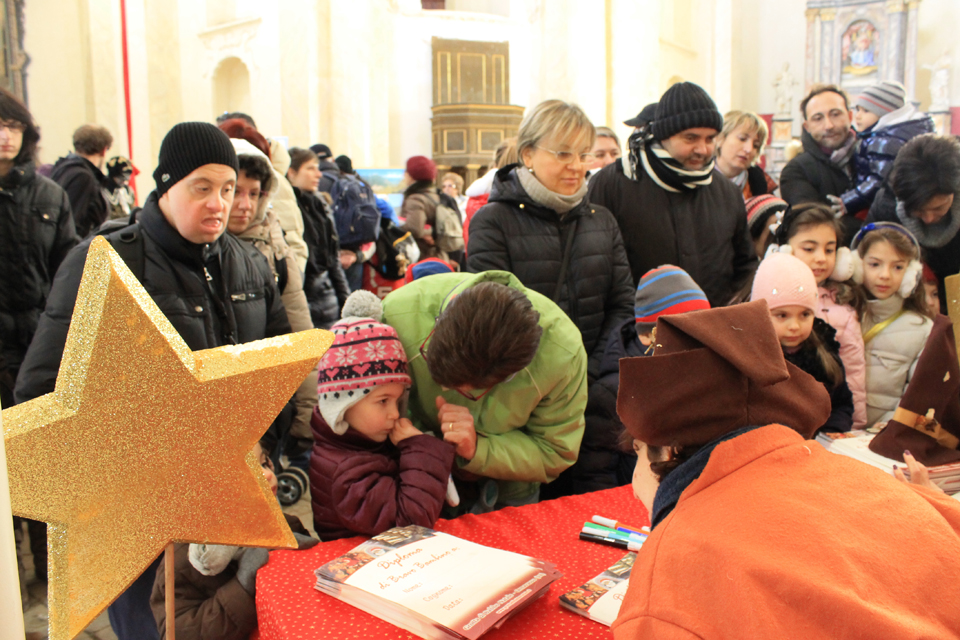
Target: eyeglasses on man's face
{"points": [[567, 157]]}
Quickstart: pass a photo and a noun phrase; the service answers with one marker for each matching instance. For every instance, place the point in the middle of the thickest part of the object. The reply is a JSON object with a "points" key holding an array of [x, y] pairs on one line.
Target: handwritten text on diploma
{"points": [[419, 563]]}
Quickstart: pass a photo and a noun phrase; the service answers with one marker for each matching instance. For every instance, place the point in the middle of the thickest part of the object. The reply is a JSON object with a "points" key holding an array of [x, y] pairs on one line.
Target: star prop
{"points": [[145, 442], [952, 286]]}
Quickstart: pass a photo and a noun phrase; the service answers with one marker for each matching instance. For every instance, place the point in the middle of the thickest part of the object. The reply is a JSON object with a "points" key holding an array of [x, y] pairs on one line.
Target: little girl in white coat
{"points": [[895, 321]]}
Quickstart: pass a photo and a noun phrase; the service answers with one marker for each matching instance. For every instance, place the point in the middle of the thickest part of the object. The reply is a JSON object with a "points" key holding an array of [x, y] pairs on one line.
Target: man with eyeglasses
{"points": [[37, 231], [499, 371], [670, 203]]}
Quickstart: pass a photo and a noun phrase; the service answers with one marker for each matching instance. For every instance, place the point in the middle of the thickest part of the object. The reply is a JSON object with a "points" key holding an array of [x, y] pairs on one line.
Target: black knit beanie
{"points": [[683, 106], [188, 146]]}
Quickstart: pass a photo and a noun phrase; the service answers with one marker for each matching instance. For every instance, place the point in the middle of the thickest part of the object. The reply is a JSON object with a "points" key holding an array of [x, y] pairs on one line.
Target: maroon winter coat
{"points": [[360, 486]]}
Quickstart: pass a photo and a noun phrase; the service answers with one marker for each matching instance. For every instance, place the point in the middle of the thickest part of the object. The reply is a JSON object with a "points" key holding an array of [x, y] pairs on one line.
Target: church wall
{"points": [[938, 20]]}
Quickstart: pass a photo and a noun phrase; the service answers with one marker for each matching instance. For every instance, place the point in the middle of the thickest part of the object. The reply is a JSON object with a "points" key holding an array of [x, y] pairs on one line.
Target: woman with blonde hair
{"points": [[540, 226], [739, 146]]}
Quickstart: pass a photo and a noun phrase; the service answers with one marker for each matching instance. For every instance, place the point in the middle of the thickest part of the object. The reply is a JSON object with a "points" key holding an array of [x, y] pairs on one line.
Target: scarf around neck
{"points": [[550, 199], [840, 157], [662, 168], [668, 494], [933, 235]]}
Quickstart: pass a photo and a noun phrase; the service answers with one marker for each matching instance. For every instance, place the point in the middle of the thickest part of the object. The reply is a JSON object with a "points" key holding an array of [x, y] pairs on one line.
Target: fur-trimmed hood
{"points": [[244, 148]]}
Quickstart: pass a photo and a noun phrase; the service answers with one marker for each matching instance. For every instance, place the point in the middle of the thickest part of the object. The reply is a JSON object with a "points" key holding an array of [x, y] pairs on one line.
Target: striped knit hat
{"points": [[684, 106], [759, 211], [365, 354], [665, 291], [882, 98]]}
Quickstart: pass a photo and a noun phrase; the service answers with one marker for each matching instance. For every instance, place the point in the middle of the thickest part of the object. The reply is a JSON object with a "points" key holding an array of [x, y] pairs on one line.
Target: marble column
{"points": [[828, 54], [895, 40], [910, 56], [810, 71]]}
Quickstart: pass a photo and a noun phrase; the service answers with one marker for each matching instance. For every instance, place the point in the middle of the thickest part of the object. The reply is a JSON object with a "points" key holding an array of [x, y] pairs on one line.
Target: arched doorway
{"points": [[231, 86]]}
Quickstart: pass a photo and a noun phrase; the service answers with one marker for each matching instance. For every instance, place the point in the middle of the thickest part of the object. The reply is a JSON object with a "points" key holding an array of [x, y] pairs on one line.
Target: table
{"points": [[289, 608]]}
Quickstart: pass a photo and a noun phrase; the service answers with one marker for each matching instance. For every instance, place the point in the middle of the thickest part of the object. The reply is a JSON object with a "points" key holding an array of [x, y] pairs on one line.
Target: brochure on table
{"points": [[600, 598], [417, 577]]}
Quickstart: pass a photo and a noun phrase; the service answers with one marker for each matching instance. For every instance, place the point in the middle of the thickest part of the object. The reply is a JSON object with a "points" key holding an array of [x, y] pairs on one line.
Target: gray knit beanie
{"points": [[882, 98], [683, 106], [189, 146]]}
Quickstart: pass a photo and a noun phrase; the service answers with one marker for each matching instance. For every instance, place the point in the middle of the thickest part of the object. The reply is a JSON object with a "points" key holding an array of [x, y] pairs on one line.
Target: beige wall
{"points": [[357, 75]]}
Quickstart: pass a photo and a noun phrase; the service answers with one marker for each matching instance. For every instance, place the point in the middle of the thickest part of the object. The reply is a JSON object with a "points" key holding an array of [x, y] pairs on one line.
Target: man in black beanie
{"points": [[670, 203], [214, 288]]}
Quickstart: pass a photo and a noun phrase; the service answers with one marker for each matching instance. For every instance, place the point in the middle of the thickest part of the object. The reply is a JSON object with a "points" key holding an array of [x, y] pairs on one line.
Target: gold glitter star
{"points": [[145, 442]]}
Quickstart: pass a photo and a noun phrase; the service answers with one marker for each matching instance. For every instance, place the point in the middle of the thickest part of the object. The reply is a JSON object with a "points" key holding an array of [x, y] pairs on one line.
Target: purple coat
{"points": [[359, 486]]}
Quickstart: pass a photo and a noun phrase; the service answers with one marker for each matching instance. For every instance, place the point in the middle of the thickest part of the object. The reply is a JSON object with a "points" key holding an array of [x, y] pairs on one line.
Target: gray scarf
{"points": [[933, 235], [549, 199], [842, 155]]}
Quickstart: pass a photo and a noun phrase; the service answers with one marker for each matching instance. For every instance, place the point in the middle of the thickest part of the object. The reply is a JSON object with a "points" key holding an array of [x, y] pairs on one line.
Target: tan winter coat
{"points": [[285, 205], [267, 236]]}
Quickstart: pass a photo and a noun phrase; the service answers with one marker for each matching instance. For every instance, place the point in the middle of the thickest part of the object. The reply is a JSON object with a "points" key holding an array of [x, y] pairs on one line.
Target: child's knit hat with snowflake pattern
{"points": [[365, 354]]}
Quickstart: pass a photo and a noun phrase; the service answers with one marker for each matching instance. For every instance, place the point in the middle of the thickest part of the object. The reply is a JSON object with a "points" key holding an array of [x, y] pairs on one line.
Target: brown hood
{"points": [[713, 372]]}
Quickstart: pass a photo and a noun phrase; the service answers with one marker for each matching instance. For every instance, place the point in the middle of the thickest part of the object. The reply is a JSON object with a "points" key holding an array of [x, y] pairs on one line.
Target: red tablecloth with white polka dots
{"points": [[289, 608]]}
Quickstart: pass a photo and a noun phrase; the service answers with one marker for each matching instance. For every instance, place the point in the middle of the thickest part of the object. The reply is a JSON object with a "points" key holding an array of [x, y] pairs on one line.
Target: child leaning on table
{"points": [[371, 469], [216, 584]]}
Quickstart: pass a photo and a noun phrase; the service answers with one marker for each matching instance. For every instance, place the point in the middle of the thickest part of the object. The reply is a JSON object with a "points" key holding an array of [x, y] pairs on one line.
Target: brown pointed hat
{"points": [[713, 372]]}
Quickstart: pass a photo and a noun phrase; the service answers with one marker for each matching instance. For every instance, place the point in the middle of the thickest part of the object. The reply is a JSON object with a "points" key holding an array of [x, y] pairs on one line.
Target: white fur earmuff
{"points": [[911, 278], [848, 266]]}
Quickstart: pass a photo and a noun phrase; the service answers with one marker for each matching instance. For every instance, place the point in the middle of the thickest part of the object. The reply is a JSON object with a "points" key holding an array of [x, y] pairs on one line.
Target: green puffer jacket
{"points": [[530, 427]]}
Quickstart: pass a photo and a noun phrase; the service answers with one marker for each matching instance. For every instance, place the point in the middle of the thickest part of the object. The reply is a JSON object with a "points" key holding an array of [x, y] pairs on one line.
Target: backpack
{"points": [[396, 250], [448, 232], [355, 212]]}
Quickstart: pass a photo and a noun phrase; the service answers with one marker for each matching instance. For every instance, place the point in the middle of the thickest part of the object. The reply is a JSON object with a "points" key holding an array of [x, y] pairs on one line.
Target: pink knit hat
{"points": [[365, 354], [784, 280]]}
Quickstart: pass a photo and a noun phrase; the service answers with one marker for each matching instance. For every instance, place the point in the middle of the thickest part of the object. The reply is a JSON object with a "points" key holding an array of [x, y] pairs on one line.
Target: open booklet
{"points": [[435, 585], [856, 444], [600, 598]]}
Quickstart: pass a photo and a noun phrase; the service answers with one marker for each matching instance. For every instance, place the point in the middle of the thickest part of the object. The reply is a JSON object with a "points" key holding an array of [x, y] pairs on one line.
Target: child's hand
{"points": [[402, 430], [918, 473], [457, 427]]}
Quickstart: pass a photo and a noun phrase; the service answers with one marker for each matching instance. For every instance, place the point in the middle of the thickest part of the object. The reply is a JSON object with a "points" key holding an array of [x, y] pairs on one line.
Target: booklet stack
{"points": [[435, 585], [600, 598], [856, 444]]}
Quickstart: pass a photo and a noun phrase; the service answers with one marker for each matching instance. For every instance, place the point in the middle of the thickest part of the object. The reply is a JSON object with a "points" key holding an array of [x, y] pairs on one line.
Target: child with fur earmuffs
{"points": [[813, 234], [895, 320]]}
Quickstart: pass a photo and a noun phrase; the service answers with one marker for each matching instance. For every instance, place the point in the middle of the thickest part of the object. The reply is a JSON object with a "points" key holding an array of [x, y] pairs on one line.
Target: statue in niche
{"points": [[784, 84], [940, 82]]}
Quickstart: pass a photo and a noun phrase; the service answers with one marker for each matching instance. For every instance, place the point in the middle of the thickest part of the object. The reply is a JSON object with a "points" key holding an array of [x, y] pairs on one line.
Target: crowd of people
{"points": [[561, 325]]}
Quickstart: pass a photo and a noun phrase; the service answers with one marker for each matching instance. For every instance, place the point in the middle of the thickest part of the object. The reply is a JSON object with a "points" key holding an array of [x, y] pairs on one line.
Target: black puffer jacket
{"points": [[36, 233], [704, 231], [324, 282], [514, 233], [807, 359], [602, 463], [83, 182], [877, 150], [173, 275]]}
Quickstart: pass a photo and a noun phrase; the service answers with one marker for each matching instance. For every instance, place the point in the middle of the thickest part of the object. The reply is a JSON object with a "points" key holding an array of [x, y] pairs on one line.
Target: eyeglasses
{"points": [[567, 157], [12, 126], [466, 394]]}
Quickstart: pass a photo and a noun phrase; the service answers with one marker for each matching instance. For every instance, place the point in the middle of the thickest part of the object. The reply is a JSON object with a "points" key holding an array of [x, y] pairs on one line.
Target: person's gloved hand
{"points": [[251, 560], [839, 209], [305, 542]]}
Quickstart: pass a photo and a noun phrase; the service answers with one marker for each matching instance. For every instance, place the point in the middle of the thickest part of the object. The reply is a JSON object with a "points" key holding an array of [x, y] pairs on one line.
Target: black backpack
{"points": [[355, 211], [396, 251]]}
